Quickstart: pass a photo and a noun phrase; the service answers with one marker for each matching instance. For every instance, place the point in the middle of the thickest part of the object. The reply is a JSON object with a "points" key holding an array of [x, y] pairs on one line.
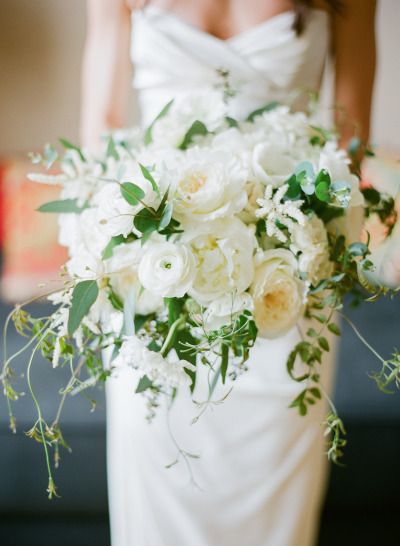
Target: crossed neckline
{"points": [[177, 19]]}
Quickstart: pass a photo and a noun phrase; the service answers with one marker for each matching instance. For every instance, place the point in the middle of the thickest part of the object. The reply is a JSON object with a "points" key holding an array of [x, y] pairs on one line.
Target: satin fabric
{"points": [[261, 471]]}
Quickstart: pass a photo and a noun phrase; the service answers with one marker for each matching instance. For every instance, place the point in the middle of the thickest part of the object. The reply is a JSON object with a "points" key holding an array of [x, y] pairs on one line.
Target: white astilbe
{"points": [[276, 212]]}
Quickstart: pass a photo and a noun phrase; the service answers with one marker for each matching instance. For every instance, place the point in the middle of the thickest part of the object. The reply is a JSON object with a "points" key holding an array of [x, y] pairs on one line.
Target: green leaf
{"points": [[83, 297], [148, 176], [131, 193], [129, 313], [166, 216], [231, 122], [270, 106], [115, 241], [322, 192], [115, 300], [294, 189], [145, 221], [358, 249], [197, 128], [144, 384], [323, 343], [334, 328], [69, 146], [64, 206], [371, 195], [224, 360], [111, 149], [148, 134]]}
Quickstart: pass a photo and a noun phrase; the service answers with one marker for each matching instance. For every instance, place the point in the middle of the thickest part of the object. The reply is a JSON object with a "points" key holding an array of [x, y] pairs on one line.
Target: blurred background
{"points": [[40, 53]]}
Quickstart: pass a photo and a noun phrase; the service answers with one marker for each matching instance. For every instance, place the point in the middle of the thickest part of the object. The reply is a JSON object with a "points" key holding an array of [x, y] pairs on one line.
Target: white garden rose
{"points": [[208, 185], [278, 293], [272, 164], [225, 309], [310, 241], [167, 269], [224, 251]]}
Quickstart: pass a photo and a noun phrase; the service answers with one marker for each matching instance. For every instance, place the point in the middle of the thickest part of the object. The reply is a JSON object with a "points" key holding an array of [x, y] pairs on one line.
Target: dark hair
{"points": [[302, 8]]}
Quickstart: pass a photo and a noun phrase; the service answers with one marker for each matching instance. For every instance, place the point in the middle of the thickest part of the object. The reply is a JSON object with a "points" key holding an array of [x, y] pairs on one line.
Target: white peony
{"points": [[310, 241], [224, 251], [114, 214], [278, 293], [208, 185], [167, 269]]}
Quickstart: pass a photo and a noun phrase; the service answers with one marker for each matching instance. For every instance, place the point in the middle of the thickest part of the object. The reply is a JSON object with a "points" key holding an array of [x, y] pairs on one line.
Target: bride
{"points": [[261, 471]]}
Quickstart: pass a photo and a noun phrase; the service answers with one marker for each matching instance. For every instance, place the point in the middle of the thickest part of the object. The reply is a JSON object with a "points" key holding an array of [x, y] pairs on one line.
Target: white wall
{"points": [[40, 48]]}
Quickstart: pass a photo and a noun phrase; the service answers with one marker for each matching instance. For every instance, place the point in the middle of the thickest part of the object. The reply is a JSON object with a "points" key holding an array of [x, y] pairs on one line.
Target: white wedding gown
{"points": [[262, 468]]}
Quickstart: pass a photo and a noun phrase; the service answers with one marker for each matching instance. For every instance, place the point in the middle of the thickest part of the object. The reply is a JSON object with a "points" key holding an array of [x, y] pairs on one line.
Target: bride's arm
{"points": [[105, 69], [354, 56]]}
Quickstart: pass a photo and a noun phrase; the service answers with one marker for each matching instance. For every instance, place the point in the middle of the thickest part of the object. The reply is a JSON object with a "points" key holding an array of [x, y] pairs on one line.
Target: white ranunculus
{"points": [[336, 162], [224, 252], [167, 269], [164, 371], [82, 230], [225, 309], [208, 185], [311, 242], [278, 293], [272, 164]]}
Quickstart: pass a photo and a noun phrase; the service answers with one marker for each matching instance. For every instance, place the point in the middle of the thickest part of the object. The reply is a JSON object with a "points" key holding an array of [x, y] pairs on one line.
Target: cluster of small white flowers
{"points": [[278, 212]]}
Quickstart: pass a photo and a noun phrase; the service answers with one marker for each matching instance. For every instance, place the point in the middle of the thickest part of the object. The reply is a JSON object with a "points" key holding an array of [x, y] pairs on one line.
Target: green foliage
{"points": [[63, 206], [83, 297], [148, 134], [69, 146], [132, 193], [111, 149], [196, 129], [144, 384], [266, 108], [148, 176]]}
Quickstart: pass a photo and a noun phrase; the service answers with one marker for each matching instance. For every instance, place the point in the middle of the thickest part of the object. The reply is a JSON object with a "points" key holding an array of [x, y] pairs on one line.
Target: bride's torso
{"points": [[267, 62]]}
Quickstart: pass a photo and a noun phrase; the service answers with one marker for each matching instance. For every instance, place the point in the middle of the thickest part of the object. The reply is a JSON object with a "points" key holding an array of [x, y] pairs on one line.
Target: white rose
{"points": [[225, 309], [167, 269], [208, 185], [272, 164], [277, 292], [224, 252], [311, 242]]}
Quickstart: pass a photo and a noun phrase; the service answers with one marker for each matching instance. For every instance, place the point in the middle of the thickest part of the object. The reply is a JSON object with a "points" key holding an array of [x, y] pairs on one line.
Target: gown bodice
{"points": [[171, 57]]}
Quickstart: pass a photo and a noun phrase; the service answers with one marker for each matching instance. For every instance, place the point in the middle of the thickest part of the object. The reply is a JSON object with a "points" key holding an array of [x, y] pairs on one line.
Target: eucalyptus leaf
{"points": [[64, 206], [83, 297], [148, 176], [166, 216], [131, 193]]}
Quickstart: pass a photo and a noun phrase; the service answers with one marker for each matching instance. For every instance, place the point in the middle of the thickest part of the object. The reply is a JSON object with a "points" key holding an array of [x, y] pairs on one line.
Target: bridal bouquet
{"points": [[190, 239]]}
